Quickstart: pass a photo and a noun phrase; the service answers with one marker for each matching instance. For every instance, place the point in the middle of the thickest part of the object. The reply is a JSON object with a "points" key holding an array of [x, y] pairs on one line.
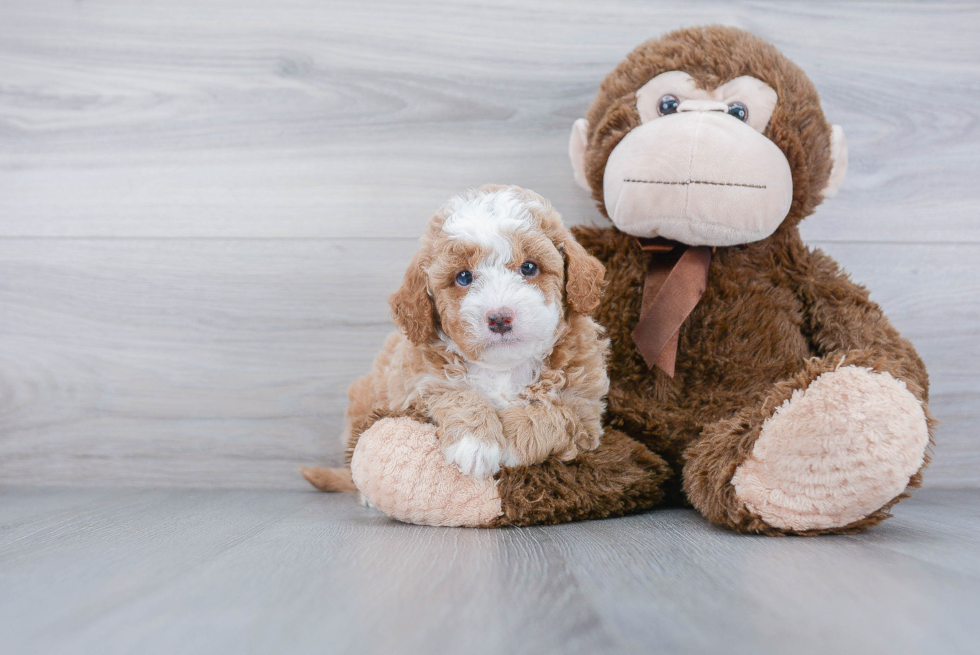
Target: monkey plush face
{"points": [[703, 157]]}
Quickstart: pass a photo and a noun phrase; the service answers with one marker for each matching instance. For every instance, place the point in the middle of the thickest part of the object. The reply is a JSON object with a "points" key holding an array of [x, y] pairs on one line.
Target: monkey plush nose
{"points": [[693, 104], [499, 320]]}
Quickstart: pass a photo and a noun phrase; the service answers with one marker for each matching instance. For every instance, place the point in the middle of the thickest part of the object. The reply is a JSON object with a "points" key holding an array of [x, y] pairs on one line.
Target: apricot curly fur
{"points": [[419, 374]]}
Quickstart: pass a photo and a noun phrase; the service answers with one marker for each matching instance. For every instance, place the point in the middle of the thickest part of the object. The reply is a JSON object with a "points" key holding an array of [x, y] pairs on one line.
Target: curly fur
{"points": [[426, 369]]}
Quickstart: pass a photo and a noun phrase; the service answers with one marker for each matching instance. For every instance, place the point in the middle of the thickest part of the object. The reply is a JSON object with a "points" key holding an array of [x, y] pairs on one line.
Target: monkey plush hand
{"points": [[749, 376]]}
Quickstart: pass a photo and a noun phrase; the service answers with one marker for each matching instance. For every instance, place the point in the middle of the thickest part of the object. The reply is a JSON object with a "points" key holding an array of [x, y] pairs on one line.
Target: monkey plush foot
{"points": [[398, 466], [835, 452]]}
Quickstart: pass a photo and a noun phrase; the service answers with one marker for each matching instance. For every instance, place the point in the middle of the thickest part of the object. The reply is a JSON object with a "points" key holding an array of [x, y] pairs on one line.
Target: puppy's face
{"points": [[496, 280], [494, 269]]}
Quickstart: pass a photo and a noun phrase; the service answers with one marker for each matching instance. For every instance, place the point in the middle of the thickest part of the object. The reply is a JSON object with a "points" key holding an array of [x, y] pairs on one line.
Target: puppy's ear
{"points": [[411, 306], [584, 276]]}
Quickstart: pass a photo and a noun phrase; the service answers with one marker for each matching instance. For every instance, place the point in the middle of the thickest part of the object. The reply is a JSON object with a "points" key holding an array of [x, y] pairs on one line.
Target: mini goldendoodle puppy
{"points": [[496, 344]]}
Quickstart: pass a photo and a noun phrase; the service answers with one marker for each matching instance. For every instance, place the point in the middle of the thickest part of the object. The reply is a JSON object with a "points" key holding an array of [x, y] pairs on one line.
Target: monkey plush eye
{"points": [[529, 269], [739, 111], [668, 105], [464, 278]]}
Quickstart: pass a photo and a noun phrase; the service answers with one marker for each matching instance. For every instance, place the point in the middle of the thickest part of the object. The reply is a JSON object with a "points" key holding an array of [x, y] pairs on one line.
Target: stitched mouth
{"points": [[690, 182]]}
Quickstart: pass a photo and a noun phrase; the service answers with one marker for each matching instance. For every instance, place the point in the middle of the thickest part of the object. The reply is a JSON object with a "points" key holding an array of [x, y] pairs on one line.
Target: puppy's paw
{"points": [[537, 431], [588, 438], [476, 457]]}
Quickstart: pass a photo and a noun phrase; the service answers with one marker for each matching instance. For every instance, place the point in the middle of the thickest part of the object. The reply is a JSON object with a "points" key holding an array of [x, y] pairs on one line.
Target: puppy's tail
{"points": [[329, 479]]}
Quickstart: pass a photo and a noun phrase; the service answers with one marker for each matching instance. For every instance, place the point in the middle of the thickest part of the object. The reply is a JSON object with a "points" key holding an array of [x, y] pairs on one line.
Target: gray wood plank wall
{"points": [[204, 205]]}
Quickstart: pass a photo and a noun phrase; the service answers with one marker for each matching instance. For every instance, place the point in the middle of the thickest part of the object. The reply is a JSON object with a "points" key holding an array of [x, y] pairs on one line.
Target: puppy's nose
{"points": [[499, 320]]}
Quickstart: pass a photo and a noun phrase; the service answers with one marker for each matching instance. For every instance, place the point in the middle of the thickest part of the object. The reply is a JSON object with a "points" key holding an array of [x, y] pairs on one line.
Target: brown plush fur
{"points": [[769, 310], [617, 478], [775, 314]]}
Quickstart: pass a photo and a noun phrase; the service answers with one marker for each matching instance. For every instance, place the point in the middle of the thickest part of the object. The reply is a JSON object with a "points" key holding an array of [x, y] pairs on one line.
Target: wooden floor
{"points": [[221, 571]]}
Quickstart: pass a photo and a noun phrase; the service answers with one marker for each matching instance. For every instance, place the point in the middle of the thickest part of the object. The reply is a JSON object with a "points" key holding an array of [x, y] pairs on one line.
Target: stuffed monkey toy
{"points": [[749, 376]]}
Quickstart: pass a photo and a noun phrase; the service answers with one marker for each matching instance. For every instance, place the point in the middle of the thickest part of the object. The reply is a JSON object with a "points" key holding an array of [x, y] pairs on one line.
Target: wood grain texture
{"points": [[203, 206], [164, 571], [236, 118]]}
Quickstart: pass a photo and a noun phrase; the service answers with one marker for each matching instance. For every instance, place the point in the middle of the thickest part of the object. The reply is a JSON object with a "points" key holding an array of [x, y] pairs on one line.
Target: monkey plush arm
{"points": [[842, 323]]}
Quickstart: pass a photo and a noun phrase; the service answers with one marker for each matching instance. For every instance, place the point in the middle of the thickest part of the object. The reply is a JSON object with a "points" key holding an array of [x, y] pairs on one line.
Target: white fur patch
{"points": [[476, 457], [535, 320], [486, 219], [502, 388]]}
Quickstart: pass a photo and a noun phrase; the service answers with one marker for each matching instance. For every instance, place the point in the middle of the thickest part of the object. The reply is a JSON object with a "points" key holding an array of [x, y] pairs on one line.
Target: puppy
{"points": [[496, 345]]}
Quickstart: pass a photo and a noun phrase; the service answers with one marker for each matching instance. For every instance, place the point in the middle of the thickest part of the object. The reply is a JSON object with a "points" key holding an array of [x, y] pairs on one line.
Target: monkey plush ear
{"points": [[838, 154], [584, 275], [411, 306], [576, 150]]}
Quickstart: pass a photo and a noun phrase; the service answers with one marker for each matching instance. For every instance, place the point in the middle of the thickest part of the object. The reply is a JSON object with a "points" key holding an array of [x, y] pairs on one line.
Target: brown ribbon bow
{"points": [[676, 280]]}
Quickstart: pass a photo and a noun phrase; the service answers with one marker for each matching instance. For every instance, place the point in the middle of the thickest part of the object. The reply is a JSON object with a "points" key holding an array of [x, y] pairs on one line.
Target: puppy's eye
{"points": [[739, 111], [464, 278], [529, 269], [668, 105]]}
